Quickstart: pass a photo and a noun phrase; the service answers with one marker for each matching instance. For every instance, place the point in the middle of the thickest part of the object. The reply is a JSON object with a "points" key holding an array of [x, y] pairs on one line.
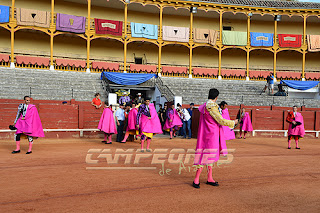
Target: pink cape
{"points": [[176, 121], [132, 119], [32, 124], [228, 133], [298, 130], [246, 123], [152, 125], [107, 123], [211, 141]]}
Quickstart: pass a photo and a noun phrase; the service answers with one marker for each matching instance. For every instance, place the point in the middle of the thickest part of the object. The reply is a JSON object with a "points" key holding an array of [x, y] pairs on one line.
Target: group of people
{"points": [[215, 127], [170, 117]]}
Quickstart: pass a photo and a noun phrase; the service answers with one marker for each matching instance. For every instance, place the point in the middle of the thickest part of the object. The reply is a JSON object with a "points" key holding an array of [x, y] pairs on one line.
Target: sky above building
{"points": [[318, 1]]}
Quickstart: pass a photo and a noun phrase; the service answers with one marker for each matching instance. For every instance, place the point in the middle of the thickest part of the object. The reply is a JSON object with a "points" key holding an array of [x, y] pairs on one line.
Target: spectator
{"points": [[139, 99], [96, 102], [124, 99], [164, 116], [190, 110], [186, 120], [267, 84], [271, 84], [64, 103], [281, 91], [120, 117]]}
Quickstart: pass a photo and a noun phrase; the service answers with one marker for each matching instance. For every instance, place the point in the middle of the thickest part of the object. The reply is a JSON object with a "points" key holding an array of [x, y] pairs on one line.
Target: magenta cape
{"points": [[32, 124], [132, 119], [176, 121], [246, 123], [298, 130], [211, 141], [152, 125], [228, 133], [107, 123]]}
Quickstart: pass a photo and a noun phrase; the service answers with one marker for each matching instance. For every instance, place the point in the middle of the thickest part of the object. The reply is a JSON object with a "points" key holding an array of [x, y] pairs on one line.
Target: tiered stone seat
{"points": [[232, 91], [48, 85]]}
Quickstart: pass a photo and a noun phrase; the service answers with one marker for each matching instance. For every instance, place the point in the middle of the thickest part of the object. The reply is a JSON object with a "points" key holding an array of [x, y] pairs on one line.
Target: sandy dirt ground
{"points": [[60, 176]]}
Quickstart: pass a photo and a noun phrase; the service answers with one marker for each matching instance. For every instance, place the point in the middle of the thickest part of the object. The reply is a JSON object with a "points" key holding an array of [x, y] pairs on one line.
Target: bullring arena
{"points": [[262, 57]]}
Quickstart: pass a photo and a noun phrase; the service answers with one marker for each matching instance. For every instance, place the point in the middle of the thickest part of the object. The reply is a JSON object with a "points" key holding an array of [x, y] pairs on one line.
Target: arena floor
{"points": [[264, 176]]}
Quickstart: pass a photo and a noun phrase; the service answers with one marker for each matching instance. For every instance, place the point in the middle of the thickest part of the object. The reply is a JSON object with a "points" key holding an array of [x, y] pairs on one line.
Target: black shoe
{"points": [[213, 183], [103, 141], [197, 186], [148, 150], [297, 147], [122, 142], [14, 152], [29, 152], [108, 143], [289, 147]]}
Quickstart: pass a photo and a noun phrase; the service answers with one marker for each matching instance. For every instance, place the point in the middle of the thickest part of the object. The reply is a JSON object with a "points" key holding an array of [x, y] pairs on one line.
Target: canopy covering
{"points": [[127, 78], [300, 85]]}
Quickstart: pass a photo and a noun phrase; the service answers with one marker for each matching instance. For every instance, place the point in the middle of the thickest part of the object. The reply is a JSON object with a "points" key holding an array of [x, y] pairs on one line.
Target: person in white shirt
{"points": [[186, 119], [120, 117]]}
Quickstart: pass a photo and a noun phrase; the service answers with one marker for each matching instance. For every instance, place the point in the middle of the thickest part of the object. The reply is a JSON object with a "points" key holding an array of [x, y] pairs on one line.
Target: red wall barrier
{"points": [[81, 115]]}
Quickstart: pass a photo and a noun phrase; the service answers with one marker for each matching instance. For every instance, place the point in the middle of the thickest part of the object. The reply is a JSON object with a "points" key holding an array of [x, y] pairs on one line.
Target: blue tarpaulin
{"points": [[300, 85], [127, 78]]}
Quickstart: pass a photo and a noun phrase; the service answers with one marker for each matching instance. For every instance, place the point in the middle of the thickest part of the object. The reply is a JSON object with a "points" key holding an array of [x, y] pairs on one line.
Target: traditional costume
{"points": [[228, 133], [107, 125], [211, 141], [149, 123], [124, 99], [245, 124], [131, 125], [175, 123], [295, 130], [28, 123]]}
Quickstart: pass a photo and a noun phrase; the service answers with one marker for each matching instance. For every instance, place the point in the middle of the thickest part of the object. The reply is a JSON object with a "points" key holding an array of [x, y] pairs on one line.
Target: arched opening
{"points": [[106, 55], [260, 64], [71, 51], [289, 65], [205, 62], [175, 60], [262, 23], [142, 57], [233, 63], [181, 17], [312, 70]]}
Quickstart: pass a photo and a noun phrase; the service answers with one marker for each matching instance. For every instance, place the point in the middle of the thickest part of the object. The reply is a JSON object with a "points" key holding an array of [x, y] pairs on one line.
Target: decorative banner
{"points": [[289, 40], [70, 23], [111, 27], [234, 38], [139, 30], [70, 62], [179, 34], [205, 36], [143, 68], [20, 59], [172, 69], [4, 14], [28, 17], [313, 43], [261, 39], [102, 65], [205, 71]]}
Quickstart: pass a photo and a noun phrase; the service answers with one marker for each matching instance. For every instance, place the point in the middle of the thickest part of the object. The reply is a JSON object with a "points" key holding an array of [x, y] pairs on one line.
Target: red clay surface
{"points": [[264, 176]]}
